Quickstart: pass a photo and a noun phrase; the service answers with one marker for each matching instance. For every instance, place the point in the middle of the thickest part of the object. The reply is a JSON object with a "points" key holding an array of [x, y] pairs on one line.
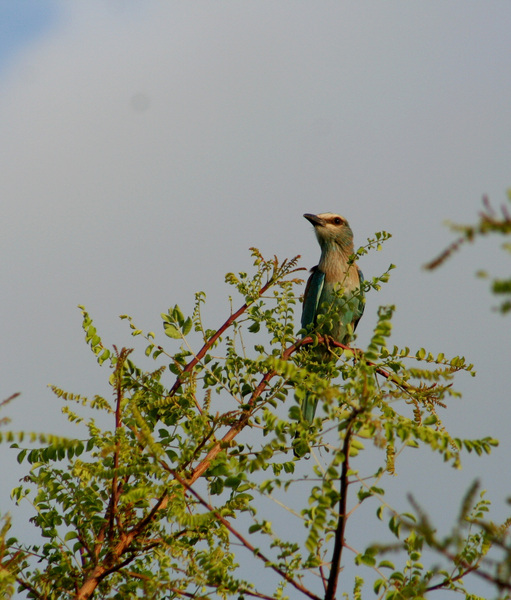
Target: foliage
{"points": [[490, 222], [164, 497]]}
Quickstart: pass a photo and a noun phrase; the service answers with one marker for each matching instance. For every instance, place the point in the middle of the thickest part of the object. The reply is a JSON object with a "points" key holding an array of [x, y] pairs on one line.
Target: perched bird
{"points": [[333, 289]]}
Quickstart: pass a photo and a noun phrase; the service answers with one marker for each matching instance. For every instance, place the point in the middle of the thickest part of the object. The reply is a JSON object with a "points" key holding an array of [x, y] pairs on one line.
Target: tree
{"points": [[490, 222], [162, 498]]}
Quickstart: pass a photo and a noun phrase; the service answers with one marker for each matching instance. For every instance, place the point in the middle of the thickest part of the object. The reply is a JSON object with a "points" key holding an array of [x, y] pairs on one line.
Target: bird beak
{"points": [[314, 219]]}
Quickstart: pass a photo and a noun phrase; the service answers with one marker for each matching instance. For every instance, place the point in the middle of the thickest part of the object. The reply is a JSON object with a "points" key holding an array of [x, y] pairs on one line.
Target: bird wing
{"points": [[312, 295], [362, 300]]}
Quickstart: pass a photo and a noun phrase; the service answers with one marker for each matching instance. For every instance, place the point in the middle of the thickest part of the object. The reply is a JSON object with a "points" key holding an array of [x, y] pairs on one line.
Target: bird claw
{"points": [[330, 344]]}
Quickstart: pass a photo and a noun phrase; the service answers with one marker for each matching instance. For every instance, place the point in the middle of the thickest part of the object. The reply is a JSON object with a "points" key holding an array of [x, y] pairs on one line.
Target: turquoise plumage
{"points": [[333, 289]]}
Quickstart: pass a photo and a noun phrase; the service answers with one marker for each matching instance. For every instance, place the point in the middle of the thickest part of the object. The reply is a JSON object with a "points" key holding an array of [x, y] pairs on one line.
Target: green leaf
{"points": [[171, 331], [177, 313], [217, 486], [187, 326]]}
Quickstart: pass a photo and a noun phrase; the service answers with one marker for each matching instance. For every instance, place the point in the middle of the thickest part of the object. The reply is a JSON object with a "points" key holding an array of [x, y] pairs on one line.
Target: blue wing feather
{"points": [[311, 296], [311, 301], [362, 301]]}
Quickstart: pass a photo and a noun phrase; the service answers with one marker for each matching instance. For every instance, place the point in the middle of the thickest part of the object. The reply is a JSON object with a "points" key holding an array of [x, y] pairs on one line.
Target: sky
{"points": [[146, 146]]}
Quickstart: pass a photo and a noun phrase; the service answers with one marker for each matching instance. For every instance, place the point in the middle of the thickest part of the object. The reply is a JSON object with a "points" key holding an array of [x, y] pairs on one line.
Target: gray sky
{"points": [[146, 146]]}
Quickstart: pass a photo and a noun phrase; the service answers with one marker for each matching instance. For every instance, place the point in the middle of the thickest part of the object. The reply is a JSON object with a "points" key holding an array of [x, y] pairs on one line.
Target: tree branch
{"points": [[245, 542], [243, 420], [111, 564], [474, 569], [189, 367], [335, 566], [29, 588]]}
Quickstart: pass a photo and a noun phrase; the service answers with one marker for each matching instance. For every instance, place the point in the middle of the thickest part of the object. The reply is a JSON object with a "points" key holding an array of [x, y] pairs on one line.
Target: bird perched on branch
{"points": [[334, 289]]}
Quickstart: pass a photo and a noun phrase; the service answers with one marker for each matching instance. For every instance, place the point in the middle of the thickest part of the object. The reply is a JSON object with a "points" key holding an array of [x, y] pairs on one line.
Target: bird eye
{"points": [[337, 220]]}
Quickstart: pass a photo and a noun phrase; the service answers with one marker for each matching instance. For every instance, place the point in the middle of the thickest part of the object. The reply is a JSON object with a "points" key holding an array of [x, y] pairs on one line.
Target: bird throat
{"points": [[334, 263]]}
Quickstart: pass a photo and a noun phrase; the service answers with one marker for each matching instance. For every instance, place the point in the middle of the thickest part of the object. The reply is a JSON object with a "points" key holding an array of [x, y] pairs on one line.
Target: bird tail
{"points": [[309, 405]]}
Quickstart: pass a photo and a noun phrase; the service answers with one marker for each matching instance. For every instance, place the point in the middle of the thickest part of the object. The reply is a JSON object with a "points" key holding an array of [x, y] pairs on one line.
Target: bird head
{"points": [[332, 231]]}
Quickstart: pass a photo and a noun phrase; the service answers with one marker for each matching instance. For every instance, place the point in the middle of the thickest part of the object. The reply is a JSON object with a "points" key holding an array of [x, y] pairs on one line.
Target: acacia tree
{"points": [[162, 497]]}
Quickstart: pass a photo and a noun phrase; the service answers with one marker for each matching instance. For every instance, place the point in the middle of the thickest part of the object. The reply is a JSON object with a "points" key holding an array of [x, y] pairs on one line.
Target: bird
{"points": [[334, 288]]}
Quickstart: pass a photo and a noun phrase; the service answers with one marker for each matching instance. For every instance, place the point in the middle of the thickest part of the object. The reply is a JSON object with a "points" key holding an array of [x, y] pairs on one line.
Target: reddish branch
{"points": [[490, 221], [116, 489], [245, 542], [202, 352], [113, 562], [244, 419], [6, 420], [468, 568]]}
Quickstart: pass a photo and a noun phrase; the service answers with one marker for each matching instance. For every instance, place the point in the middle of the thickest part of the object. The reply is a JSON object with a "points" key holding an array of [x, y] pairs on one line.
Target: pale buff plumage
{"points": [[334, 286]]}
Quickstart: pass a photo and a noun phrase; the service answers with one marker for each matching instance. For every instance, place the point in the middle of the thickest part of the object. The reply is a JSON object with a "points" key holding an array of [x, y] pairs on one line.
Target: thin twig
{"points": [[190, 366], [244, 419], [474, 569], [245, 542], [114, 498], [10, 398], [29, 588]]}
